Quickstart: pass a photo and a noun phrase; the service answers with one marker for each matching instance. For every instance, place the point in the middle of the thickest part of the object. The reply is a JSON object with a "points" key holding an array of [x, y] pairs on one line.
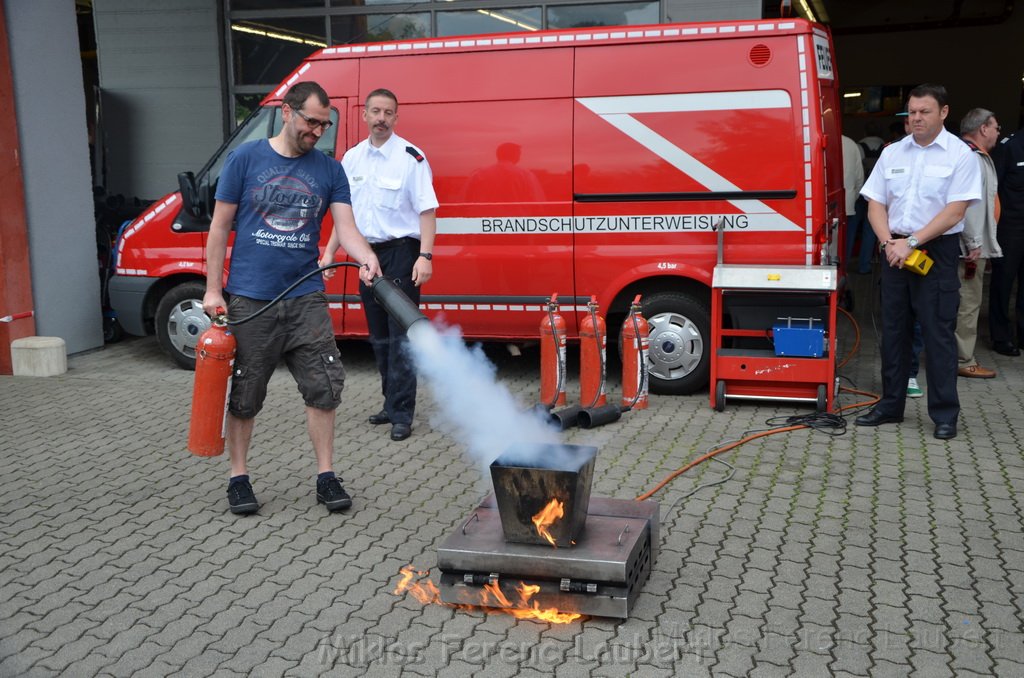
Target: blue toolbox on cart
{"points": [[799, 337]]}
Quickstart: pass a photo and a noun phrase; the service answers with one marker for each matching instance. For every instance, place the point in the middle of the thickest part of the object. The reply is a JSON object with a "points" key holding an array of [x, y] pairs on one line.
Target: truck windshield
{"points": [[264, 123]]}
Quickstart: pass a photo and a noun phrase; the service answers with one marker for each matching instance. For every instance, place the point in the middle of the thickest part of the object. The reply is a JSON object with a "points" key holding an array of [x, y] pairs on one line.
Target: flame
{"points": [[425, 593], [491, 596], [547, 516]]}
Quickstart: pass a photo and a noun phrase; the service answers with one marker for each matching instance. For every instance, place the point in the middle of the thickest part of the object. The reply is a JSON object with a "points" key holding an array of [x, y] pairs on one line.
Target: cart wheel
{"points": [[720, 396], [822, 398]]}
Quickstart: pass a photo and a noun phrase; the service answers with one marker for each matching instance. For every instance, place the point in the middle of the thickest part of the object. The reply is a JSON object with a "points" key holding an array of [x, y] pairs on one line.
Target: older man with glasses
{"points": [[980, 130]]}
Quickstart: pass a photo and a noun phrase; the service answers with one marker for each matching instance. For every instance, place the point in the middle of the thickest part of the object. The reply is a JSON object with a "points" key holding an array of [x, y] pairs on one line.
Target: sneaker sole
{"points": [[915, 395], [334, 505], [243, 509]]}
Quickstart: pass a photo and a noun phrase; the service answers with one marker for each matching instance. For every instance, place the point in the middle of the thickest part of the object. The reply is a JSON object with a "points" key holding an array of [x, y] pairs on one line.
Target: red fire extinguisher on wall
{"points": [[215, 357], [634, 358], [552, 356], [593, 338]]}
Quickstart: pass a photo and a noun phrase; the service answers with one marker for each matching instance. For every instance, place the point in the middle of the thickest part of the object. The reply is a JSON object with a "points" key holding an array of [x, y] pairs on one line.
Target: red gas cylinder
{"points": [[593, 338], [215, 356], [634, 358], [552, 356]]}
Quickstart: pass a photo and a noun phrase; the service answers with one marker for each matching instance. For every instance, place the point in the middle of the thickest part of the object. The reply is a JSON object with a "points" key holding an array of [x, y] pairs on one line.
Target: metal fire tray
{"points": [[601, 575]]}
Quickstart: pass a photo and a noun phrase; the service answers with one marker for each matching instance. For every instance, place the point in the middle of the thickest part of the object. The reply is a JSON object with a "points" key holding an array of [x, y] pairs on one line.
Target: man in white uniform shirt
{"points": [[394, 202], [917, 194]]}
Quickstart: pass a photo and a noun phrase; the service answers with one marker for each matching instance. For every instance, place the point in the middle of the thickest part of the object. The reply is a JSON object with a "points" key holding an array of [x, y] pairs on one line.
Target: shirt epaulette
{"points": [[414, 153]]}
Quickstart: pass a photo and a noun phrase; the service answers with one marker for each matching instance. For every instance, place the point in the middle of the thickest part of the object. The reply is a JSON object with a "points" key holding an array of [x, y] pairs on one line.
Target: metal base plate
{"points": [[610, 561]]}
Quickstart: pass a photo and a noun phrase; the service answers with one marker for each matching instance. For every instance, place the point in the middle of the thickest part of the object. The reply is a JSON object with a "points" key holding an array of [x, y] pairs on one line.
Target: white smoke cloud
{"points": [[477, 409]]}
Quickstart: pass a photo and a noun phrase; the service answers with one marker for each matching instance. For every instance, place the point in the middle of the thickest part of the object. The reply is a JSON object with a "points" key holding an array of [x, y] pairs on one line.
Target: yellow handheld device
{"points": [[918, 262]]}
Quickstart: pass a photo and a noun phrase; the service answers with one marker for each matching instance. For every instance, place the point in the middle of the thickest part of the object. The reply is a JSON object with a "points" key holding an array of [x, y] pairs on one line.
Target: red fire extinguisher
{"points": [[215, 357], [634, 358], [552, 356], [592, 354]]}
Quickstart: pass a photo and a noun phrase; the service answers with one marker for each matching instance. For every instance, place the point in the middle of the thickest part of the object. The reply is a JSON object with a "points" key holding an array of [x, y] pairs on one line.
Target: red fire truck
{"points": [[581, 162]]}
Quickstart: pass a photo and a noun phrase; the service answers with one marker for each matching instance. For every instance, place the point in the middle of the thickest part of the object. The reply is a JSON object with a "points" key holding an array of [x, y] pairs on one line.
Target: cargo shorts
{"points": [[297, 330]]}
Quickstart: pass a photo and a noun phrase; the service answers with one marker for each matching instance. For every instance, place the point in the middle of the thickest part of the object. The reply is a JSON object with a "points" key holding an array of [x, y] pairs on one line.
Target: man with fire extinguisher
{"points": [[394, 202], [278, 191]]}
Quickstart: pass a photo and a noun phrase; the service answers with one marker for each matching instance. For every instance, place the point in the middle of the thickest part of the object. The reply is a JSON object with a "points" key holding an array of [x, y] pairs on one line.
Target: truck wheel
{"points": [[678, 360], [179, 322]]}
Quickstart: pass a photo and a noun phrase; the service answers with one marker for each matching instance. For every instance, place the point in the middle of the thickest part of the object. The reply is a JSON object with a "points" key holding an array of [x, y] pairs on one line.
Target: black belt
{"points": [[901, 236], [388, 244]]}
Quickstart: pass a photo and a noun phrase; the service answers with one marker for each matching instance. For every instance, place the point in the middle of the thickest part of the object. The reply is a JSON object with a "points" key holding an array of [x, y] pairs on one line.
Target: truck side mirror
{"points": [[189, 194]]}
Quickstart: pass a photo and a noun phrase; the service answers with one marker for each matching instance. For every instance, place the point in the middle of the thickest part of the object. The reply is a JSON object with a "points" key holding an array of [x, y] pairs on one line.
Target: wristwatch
{"points": [[912, 241], [427, 255]]}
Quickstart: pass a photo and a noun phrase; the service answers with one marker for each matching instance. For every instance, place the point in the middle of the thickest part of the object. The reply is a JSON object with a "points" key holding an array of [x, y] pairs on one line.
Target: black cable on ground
{"points": [[823, 422]]}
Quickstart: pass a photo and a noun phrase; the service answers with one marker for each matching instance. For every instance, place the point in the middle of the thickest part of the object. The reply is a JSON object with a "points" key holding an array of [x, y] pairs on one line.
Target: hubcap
{"points": [[676, 346], [186, 322]]}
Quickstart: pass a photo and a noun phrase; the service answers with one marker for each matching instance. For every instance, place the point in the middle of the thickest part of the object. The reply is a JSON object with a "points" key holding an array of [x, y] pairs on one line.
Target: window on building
{"points": [[474, 21], [379, 27], [619, 14], [267, 39], [265, 50]]}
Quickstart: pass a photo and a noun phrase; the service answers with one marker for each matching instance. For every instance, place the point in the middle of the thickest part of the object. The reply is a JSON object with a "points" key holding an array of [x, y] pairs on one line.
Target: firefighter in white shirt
{"points": [[394, 203], [918, 194]]}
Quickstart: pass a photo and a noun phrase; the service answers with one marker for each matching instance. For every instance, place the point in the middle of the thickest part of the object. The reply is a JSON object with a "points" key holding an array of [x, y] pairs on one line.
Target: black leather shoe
{"points": [[945, 431], [1006, 348], [401, 431], [876, 418], [380, 418]]}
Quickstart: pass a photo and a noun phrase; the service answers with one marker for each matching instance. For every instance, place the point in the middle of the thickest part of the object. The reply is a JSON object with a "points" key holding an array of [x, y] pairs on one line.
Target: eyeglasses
{"points": [[313, 122], [990, 123]]}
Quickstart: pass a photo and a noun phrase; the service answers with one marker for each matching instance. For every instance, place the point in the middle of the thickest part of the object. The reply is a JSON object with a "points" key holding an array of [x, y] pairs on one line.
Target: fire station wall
{"points": [[49, 102], [979, 66], [161, 79]]}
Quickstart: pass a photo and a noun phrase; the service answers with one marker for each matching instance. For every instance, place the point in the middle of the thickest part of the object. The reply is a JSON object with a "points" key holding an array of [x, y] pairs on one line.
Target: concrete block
{"points": [[39, 357]]}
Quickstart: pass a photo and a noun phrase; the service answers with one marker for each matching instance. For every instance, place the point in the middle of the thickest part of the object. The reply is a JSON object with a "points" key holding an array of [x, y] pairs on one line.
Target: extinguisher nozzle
{"points": [[398, 305], [566, 418], [599, 416]]}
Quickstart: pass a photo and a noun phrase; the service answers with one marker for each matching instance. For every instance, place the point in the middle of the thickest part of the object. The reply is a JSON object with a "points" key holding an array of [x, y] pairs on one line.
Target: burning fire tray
{"points": [[600, 575]]}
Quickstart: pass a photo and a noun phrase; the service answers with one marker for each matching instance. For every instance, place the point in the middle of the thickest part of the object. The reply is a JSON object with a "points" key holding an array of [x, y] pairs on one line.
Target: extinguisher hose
{"points": [[558, 355], [291, 287], [600, 358]]}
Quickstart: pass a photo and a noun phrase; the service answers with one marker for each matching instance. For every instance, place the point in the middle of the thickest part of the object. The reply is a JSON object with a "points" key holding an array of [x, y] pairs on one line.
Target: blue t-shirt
{"points": [[281, 202]]}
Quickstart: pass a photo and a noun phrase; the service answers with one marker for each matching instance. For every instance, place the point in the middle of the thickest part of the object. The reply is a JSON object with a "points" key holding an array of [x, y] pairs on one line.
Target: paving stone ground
{"points": [[873, 553]]}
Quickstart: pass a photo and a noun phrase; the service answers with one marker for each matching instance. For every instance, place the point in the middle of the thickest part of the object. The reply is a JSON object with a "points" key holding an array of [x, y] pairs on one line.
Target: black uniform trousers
{"points": [[933, 300], [1005, 272], [389, 340]]}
